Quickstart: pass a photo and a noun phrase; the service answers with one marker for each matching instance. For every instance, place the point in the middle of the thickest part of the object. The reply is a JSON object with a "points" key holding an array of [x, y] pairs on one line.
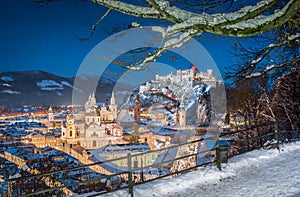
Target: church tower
{"points": [[51, 122], [113, 107], [91, 106], [69, 133], [50, 115], [91, 110], [137, 108], [70, 127], [182, 115]]}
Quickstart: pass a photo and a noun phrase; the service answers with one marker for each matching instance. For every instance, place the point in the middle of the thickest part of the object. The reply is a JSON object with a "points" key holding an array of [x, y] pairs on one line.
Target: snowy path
{"points": [[257, 173]]}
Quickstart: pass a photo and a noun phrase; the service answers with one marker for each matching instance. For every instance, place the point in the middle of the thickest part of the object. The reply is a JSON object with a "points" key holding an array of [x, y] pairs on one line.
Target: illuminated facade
{"points": [[98, 128]]}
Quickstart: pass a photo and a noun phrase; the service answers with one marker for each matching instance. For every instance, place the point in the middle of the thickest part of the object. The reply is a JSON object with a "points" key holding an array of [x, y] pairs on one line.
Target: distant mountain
{"points": [[43, 88]]}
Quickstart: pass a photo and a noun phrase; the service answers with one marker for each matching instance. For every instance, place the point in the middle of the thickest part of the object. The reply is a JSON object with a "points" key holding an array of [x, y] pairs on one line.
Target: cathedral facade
{"points": [[97, 128]]}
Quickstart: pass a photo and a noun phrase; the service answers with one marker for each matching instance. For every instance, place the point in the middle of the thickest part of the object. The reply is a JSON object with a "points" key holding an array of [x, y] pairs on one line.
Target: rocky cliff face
{"points": [[194, 95]]}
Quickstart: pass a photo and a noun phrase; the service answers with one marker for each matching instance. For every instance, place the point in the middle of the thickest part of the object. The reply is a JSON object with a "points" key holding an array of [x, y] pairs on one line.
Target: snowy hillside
{"points": [[34, 87], [257, 173], [39, 87]]}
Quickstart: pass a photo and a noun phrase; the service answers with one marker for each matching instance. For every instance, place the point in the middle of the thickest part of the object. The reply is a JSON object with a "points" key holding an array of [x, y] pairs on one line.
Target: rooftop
{"points": [[121, 149]]}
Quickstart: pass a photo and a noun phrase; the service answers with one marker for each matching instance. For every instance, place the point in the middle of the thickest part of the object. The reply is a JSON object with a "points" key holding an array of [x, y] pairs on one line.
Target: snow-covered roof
{"points": [[125, 148], [124, 116]]}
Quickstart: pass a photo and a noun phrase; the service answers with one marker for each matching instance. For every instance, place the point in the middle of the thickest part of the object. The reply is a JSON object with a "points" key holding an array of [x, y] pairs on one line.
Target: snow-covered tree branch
{"points": [[270, 55], [126, 8], [246, 21], [251, 69]]}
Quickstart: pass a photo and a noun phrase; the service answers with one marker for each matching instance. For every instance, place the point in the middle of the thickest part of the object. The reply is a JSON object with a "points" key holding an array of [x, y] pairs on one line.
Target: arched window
{"points": [[71, 133]]}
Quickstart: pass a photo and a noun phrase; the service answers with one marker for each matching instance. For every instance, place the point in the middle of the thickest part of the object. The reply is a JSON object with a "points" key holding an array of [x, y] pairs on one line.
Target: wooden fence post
{"points": [[247, 141], [130, 185], [142, 168]]}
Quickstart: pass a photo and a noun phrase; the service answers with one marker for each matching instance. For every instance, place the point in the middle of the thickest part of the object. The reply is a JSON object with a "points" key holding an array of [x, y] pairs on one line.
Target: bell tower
{"points": [[50, 115], [70, 126], [137, 108], [113, 107]]}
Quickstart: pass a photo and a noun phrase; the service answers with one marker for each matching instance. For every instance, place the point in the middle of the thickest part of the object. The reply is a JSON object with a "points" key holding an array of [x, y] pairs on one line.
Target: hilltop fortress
{"points": [[181, 76]]}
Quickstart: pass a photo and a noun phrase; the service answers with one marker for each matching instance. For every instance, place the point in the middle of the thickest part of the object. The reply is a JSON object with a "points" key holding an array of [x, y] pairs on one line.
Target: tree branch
{"points": [[247, 21], [164, 46], [215, 23], [130, 9], [93, 27], [261, 23], [269, 68], [160, 6], [250, 69], [244, 22]]}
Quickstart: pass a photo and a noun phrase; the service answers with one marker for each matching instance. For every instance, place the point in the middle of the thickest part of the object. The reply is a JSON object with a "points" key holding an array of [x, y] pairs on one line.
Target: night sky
{"points": [[42, 36]]}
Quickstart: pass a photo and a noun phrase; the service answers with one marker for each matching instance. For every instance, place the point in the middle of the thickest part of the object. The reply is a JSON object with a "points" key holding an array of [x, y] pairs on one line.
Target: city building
{"points": [[114, 151], [46, 140], [52, 122], [98, 128]]}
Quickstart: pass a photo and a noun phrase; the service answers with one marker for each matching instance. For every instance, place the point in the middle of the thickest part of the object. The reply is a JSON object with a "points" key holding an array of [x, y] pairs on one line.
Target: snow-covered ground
{"points": [[257, 173]]}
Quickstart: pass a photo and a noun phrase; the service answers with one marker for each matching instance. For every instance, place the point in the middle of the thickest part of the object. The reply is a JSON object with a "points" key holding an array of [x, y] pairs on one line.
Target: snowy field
{"points": [[257, 173]]}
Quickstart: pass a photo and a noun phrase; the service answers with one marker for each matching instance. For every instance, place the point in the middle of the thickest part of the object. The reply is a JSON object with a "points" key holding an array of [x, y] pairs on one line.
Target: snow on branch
{"points": [[293, 37], [219, 20], [130, 9], [246, 21], [263, 23], [243, 22], [167, 42], [271, 67], [250, 69], [161, 7]]}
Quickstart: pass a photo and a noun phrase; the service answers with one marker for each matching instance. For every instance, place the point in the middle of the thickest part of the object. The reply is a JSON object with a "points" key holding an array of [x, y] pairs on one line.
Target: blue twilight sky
{"points": [[41, 37]]}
